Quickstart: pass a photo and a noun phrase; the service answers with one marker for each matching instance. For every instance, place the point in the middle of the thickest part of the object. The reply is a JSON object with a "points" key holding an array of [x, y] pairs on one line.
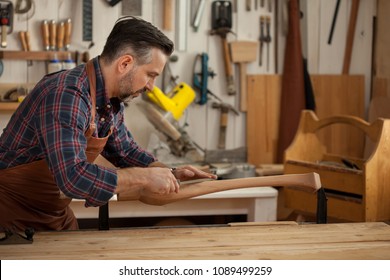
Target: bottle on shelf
{"points": [[54, 64], [68, 63]]}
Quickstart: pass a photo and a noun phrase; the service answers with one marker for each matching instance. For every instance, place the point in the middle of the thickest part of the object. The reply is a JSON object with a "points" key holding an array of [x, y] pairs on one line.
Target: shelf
{"points": [[36, 55], [6, 87], [8, 106]]}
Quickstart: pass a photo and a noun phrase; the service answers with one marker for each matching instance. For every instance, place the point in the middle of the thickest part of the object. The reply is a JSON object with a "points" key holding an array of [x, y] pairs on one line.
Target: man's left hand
{"points": [[189, 172]]}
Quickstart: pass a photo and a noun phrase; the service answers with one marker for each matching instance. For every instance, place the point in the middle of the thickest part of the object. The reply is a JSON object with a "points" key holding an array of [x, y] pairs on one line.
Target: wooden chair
{"points": [[357, 189]]}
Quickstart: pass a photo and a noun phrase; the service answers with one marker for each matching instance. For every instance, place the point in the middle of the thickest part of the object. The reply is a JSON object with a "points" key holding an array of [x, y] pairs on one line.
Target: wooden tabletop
{"points": [[279, 240]]}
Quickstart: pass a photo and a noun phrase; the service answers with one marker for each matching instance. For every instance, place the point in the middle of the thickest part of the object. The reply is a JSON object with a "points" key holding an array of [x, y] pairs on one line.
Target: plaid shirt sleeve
{"points": [[61, 123], [122, 150]]}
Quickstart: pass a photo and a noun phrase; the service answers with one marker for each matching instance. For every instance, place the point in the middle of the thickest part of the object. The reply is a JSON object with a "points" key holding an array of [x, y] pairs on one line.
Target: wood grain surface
{"points": [[285, 240], [334, 95]]}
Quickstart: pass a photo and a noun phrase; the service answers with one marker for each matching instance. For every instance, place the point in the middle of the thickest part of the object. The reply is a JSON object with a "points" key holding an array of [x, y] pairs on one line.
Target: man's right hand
{"points": [[158, 180]]}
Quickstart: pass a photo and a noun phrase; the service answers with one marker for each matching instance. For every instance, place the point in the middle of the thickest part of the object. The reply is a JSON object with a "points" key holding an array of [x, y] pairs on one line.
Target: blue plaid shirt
{"points": [[50, 124]]}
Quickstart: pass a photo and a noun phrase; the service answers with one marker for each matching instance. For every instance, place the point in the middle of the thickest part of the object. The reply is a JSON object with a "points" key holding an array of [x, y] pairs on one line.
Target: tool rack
{"points": [[35, 55], [30, 55]]}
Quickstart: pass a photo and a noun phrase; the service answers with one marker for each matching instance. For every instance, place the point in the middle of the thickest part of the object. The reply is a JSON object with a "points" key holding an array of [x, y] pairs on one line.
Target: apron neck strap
{"points": [[92, 84]]}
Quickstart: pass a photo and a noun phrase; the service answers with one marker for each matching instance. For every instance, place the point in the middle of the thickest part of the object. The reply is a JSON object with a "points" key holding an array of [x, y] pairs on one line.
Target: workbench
{"points": [[259, 204], [246, 241]]}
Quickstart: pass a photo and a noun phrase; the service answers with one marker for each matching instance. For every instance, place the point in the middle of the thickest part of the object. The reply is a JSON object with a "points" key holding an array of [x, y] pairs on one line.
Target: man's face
{"points": [[141, 78]]}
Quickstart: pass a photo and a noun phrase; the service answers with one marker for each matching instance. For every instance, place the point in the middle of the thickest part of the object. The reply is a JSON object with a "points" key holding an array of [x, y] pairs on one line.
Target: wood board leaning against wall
{"points": [[334, 95], [380, 93]]}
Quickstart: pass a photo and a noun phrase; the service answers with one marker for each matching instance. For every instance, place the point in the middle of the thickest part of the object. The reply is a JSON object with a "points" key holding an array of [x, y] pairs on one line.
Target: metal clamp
{"points": [[12, 237]]}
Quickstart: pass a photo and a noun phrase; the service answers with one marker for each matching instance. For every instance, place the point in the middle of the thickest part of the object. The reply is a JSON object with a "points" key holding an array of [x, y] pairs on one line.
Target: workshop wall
{"points": [[202, 120]]}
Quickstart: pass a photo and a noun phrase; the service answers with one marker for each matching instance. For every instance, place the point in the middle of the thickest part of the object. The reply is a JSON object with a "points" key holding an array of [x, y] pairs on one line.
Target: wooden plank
{"points": [[334, 94], [36, 55], [382, 40], [9, 106], [379, 107], [309, 241], [4, 88], [264, 92], [312, 43]]}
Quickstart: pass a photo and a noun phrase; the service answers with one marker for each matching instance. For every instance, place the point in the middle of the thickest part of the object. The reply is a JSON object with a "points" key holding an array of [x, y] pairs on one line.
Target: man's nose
{"points": [[150, 85]]}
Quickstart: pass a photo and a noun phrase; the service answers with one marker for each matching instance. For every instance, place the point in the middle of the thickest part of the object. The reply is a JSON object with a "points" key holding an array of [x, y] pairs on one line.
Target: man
{"points": [[68, 119]]}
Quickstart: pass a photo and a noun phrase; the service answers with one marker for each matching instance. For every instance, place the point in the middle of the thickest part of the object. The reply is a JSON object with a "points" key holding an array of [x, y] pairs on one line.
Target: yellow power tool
{"points": [[164, 111], [176, 101]]}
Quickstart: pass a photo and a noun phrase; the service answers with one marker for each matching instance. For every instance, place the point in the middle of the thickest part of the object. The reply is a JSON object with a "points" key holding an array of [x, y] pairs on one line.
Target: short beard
{"points": [[129, 96], [126, 95]]}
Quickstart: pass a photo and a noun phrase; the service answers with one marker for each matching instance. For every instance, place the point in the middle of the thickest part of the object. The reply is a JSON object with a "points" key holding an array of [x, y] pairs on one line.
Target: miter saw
{"points": [[165, 110]]}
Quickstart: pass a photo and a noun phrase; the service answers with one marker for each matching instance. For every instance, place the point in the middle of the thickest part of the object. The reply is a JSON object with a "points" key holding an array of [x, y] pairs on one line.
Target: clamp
{"points": [[12, 237]]}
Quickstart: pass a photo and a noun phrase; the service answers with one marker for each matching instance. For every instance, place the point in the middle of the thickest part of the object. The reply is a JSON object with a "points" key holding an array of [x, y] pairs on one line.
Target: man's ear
{"points": [[125, 63]]}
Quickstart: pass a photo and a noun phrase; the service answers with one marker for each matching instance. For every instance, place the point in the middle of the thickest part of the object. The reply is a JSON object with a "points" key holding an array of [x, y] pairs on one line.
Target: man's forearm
{"points": [[157, 164]]}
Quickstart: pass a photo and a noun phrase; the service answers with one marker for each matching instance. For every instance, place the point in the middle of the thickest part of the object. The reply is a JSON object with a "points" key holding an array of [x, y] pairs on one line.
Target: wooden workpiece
{"points": [[309, 182], [285, 240]]}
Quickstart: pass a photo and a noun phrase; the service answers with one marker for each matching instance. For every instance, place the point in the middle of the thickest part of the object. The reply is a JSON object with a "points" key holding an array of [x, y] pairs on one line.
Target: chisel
{"points": [[68, 33], [53, 34], [22, 36], [60, 35], [25, 41], [45, 35]]}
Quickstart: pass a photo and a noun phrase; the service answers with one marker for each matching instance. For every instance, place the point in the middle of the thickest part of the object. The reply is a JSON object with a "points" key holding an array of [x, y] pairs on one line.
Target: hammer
{"points": [[222, 32], [225, 108]]}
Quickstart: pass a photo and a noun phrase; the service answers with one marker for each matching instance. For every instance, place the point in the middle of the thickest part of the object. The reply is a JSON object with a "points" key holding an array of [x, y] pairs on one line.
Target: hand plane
{"points": [[200, 78]]}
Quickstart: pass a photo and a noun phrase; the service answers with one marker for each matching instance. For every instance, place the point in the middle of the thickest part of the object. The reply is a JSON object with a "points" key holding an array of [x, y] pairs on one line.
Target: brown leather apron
{"points": [[29, 196]]}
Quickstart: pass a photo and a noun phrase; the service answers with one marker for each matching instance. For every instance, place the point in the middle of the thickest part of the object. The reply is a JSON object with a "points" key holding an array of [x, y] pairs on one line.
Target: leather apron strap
{"points": [[29, 196]]}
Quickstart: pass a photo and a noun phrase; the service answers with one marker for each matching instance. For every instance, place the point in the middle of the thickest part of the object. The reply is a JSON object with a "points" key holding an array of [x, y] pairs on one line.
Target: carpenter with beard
{"points": [[68, 139]]}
